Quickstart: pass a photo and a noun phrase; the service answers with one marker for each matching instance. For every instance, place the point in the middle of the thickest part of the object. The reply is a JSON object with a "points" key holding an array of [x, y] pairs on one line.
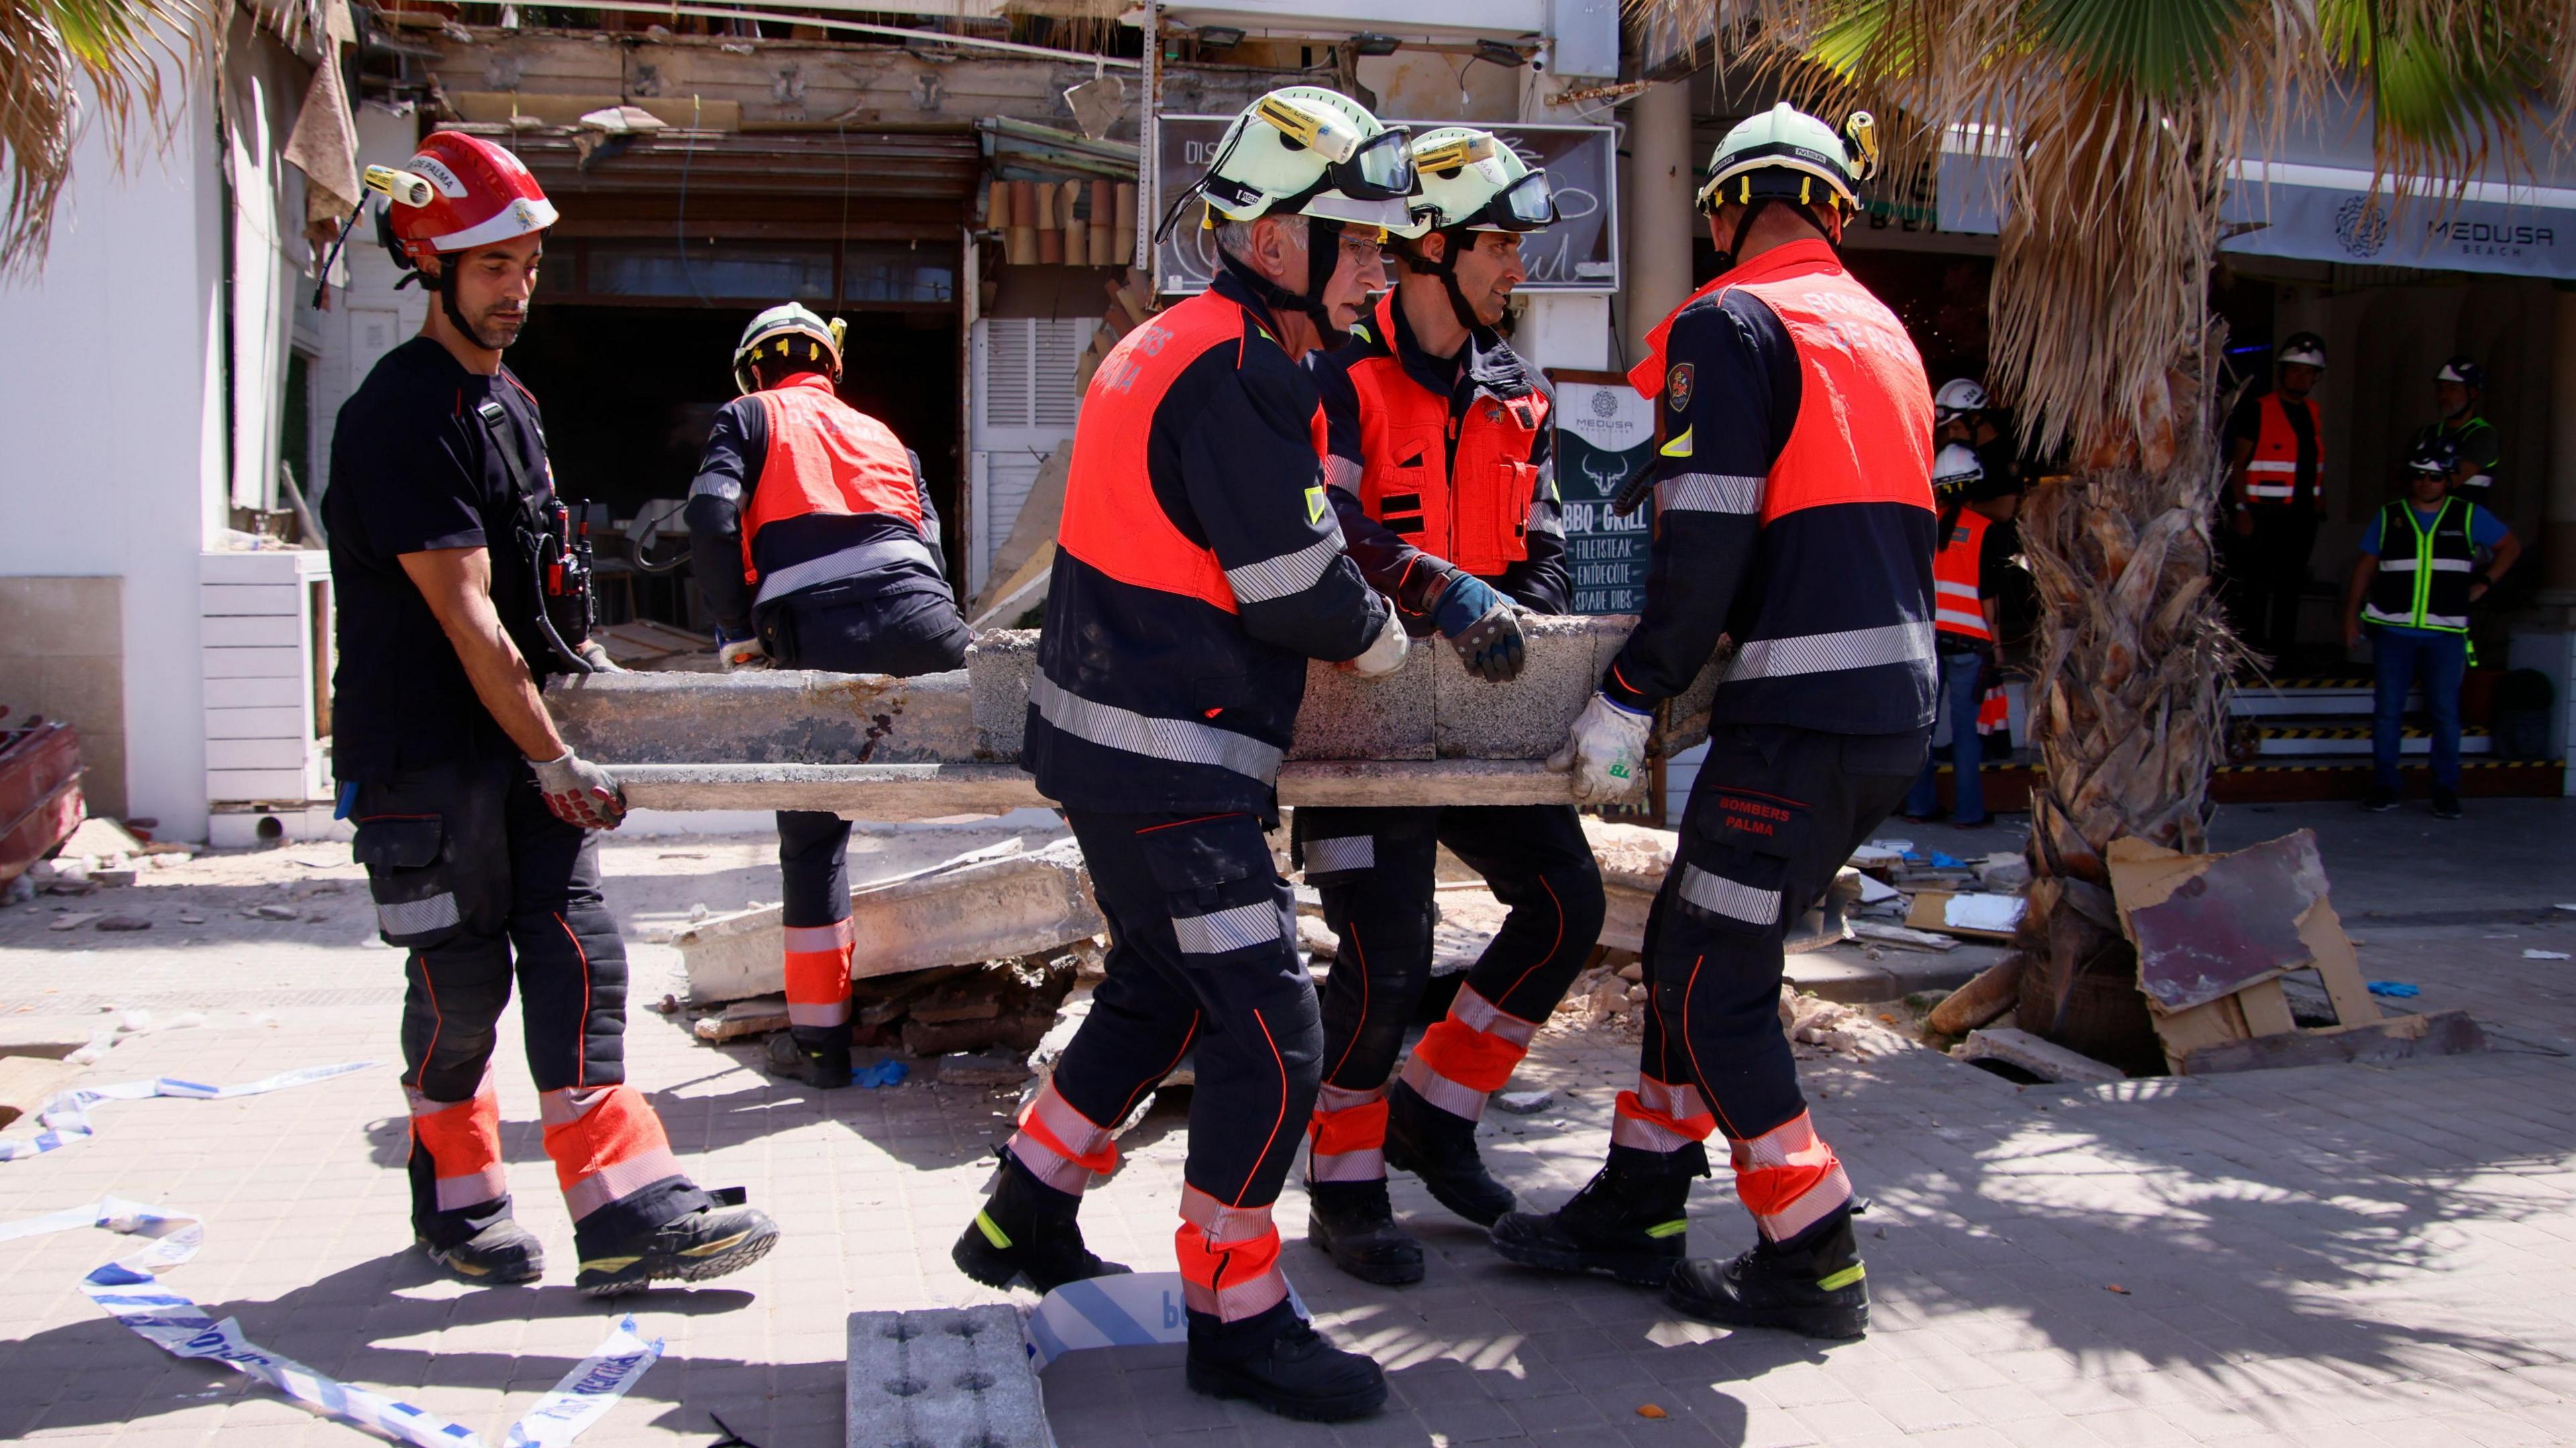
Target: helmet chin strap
{"points": [[1446, 268], [1323, 238], [1744, 228], [436, 283]]}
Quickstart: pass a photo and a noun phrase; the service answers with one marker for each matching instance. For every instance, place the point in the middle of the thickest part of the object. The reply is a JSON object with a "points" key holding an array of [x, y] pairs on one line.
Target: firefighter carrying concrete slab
{"points": [[814, 540], [1199, 566]]}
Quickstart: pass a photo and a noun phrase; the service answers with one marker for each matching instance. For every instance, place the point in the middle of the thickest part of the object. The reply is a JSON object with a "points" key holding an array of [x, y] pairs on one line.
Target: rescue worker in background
{"points": [[1199, 566], [1962, 413], [1794, 514], [2459, 386], [2275, 496], [473, 817], [1977, 545], [813, 537], [1437, 462], [2418, 573]]}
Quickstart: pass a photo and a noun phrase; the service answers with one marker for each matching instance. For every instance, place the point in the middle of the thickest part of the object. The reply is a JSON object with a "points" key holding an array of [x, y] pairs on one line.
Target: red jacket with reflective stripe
{"points": [[2272, 474], [1957, 593], [1465, 498], [825, 456]]}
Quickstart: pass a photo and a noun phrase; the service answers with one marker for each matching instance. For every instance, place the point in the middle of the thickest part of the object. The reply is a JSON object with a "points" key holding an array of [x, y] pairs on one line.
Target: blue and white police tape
{"points": [[130, 1289], [1133, 1309], [65, 1115]]}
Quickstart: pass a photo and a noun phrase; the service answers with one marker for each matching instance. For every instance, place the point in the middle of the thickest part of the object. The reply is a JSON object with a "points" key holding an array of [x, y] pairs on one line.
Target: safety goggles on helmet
{"points": [[1525, 205], [1364, 168]]}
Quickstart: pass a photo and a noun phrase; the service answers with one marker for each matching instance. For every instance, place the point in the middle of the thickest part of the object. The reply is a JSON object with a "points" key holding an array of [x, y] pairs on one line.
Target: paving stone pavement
{"points": [[2339, 1256]]}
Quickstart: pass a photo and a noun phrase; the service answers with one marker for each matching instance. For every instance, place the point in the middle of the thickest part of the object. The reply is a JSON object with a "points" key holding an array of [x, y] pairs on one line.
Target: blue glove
{"points": [[1483, 627]]}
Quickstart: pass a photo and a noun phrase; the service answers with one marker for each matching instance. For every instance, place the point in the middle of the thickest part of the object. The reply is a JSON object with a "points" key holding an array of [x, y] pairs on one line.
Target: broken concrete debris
{"points": [[2032, 1056]]}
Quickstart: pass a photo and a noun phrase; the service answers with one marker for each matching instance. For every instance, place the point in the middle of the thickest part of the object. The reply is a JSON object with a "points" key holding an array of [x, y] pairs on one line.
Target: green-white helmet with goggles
{"points": [[1785, 155], [1471, 182], [1306, 151]]}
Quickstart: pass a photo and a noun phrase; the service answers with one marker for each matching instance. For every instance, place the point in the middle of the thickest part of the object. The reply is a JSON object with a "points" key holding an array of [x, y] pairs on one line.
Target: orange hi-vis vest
{"points": [[1956, 606], [1864, 428], [2272, 474], [1111, 518], [1465, 495], [825, 456]]}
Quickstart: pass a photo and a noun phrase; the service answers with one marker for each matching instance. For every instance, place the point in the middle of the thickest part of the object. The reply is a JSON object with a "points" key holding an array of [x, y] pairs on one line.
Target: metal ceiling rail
{"points": [[927, 37]]}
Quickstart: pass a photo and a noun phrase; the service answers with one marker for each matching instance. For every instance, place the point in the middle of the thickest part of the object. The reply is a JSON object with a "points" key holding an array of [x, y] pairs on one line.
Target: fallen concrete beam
{"points": [[989, 905], [2044, 1059], [886, 748], [2445, 1033]]}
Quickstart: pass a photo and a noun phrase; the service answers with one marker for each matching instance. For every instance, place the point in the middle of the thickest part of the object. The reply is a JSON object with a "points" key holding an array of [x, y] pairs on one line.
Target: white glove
{"points": [[1606, 750], [1386, 653], [598, 659], [738, 654], [580, 792]]}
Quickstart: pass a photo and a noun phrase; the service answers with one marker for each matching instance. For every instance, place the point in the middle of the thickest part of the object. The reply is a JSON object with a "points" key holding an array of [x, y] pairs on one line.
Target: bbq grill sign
{"points": [[1605, 435]]}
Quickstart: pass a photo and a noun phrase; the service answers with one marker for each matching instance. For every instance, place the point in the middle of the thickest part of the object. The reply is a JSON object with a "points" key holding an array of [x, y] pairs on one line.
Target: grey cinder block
{"points": [[951, 1377]]}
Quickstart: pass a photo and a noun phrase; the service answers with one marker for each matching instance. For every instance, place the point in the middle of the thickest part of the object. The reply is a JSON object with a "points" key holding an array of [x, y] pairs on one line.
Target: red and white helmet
{"points": [[459, 192]]}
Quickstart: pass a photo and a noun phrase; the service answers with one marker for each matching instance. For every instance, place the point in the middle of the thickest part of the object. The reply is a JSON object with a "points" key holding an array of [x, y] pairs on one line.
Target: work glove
{"points": [[746, 652], [598, 659], [1605, 750], [1385, 654], [580, 792], [1483, 627]]}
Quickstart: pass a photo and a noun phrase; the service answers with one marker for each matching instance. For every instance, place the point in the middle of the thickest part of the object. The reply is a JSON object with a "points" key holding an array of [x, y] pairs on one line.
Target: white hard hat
{"points": [[1786, 154], [1958, 397], [1956, 468], [2302, 349], [1304, 150], [1472, 181], [774, 334]]}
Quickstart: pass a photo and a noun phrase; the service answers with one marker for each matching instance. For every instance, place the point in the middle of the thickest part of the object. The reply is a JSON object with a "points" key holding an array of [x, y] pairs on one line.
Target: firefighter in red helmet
{"points": [[461, 591]]}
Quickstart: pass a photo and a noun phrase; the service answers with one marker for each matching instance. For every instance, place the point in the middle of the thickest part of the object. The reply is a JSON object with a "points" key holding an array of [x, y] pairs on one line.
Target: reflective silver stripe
{"points": [[1183, 741], [1366, 1165], [1972, 622], [1286, 574], [1808, 1209], [836, 1013], [414, 917], [471, 1188], [2456, 622], [848, 563], [1825, 653], [1462, 1101], [2401, 565], [716, 485], [2447, 622], [1342, 473], [619, 1180], [1046, 1166], [1236, 929], [2452, 565], [2480, 480], [1343, 852], [1479, 1014], [1709, 493], [2376, 614], [818, 938], [2271, 466], [1967, 591], [1731, 898]]}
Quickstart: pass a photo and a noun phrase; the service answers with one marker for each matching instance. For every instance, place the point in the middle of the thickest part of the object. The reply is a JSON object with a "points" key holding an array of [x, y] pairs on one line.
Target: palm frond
{"points": [[65, 64]]}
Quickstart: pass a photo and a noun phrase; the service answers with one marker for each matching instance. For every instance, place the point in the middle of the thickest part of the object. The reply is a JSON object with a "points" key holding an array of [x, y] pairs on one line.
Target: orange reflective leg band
{"points": [[818, 974], [1060, 1145], [1346, 1141], [1789, 1179], [1660, 1117], [606, 1144], [1468, 1055], [1229, 1258], [463, 1139]]}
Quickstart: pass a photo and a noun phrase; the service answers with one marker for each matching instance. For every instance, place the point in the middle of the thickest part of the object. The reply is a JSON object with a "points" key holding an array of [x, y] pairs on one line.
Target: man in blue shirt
{"points": [[2413, 584]]}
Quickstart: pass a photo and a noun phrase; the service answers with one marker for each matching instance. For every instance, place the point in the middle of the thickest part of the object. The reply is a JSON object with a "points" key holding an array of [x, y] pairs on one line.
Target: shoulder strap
{"points": [[505, 441]]}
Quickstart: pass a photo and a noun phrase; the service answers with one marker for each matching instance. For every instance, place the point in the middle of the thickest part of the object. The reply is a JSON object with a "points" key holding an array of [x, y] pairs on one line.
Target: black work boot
{"points": [[1441, 1150], [1818, 1290], [502, 1252], [1027, 1233], [708, 1242], [1355, 1225], [1279, 1362], [1628, 1221], [819, 1058]]}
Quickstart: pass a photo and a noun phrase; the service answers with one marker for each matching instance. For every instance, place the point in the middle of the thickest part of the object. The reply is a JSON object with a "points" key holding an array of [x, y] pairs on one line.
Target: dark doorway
{"points": [[629, 393]]}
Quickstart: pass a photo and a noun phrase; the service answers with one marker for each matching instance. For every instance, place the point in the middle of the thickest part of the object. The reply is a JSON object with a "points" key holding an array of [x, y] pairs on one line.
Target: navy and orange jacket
{"points": [[1435, 461], [1793, 504], [1198, 567], [798, 493]]}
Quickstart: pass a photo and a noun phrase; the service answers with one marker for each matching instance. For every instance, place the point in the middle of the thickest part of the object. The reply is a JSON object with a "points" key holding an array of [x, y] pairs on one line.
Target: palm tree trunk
{"points": [[2129, 711]]}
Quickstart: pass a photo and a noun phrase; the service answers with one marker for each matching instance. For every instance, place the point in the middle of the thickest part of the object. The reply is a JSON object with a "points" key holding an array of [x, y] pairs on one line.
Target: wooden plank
{"points": [[2321, 930], [2266, 1008], [257, 754], [242, 786], [251, 633], [249, 600], [263, 663], [287, 724], [2392, 1039], [2199, 1028], [280, 691]]}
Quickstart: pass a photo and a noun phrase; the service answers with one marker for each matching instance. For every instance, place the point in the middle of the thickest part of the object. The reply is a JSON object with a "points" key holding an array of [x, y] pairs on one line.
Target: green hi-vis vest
{"points": [[2429, 587]]}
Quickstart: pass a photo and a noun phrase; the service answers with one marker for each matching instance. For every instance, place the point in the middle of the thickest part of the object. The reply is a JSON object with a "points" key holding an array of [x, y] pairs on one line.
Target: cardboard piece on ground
{"points": [[2395, 1038], [2222, 923], [1964, 914]]}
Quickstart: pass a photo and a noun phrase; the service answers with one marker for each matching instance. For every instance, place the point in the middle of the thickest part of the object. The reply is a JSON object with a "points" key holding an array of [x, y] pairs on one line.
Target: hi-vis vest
{"points": [[2427, 586], [1956, 608], [2272, 474], [1464, 497], [2475, 485], [825, 457], [1111, 518]]}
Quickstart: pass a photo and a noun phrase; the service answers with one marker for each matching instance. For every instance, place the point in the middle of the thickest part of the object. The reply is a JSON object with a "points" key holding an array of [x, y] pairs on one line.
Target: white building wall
{"points": [[368, 318], [111, 393]]}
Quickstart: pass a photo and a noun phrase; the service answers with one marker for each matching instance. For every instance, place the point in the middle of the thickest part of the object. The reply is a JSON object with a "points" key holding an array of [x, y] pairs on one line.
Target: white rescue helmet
{"points": [[2302, 349], [1471, 181], [1784, 154], [1959, 397], [1956, 470], [789, 333], [1306, 151]]}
